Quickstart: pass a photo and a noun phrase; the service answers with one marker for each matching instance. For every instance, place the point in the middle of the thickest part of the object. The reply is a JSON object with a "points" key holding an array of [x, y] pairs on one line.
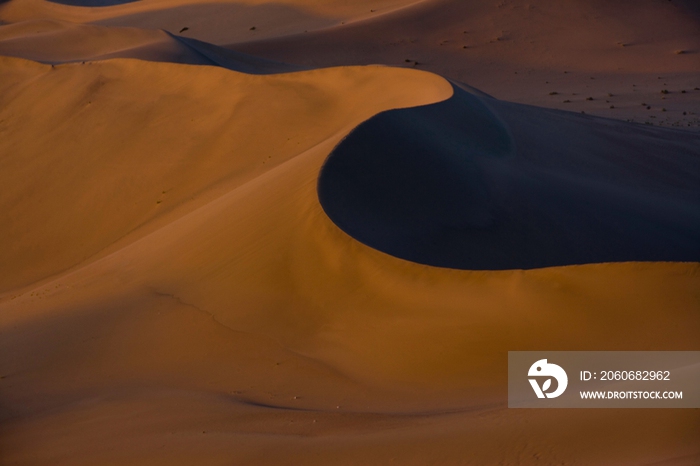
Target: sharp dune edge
{"points": [[444, 185], [180, 283], [86, 160]]}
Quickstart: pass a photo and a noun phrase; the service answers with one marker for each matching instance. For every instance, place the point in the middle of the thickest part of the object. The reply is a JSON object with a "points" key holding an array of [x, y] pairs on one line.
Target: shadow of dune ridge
{"points": [[689, 7], [56, 42], [476, 183], [218, 23], [232, 60]]}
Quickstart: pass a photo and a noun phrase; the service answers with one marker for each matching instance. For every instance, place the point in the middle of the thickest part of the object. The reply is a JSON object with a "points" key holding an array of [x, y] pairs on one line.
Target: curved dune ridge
{"points": [[446, 185], [190, 128], [175, 293]]}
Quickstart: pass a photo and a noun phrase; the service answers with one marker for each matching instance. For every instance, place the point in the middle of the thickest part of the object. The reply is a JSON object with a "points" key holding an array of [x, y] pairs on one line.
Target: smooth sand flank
{"points": [[88, 175]]}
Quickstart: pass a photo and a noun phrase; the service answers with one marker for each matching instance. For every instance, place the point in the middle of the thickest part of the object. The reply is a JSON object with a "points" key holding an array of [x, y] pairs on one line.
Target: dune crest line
{"points": [[476, 183]]}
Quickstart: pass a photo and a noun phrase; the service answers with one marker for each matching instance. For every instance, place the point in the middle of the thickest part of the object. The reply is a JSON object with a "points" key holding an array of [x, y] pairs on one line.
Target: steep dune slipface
{"points": [[237, 323], [446, 185]]}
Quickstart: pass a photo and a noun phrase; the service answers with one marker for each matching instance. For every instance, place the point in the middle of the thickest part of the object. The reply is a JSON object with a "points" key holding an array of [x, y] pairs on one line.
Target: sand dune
{"points": [[236, 61], [444, 185], [210, 351], [218, 22], [51, 41], [555, 54], [88, 186], [55, 42], [203, 254]]}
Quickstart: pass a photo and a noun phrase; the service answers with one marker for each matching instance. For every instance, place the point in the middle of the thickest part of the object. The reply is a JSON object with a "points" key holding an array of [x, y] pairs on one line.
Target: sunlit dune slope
{"points": [[447, 185], [218, 21], [91, 152], [211, 306]]}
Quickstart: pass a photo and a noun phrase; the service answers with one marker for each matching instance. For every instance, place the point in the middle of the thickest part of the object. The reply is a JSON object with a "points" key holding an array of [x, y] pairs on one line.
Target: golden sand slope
{"points": [[213, 314], [93, 151], [218, 21], [59, 41]]}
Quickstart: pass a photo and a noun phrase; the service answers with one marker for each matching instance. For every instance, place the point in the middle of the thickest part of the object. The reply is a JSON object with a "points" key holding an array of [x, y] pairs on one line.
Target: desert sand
{"points": [[225, 245]]}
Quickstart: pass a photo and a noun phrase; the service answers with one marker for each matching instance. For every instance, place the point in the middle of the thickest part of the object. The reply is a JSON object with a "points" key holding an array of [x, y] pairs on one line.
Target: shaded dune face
{"points": [[55, 42], [474, 183], [232, 60]]}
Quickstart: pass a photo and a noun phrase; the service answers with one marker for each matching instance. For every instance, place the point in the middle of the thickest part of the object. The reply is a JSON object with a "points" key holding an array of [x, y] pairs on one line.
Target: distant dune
{"points": [[241, 254], [53, 42], [600, 57], [217, 22]]}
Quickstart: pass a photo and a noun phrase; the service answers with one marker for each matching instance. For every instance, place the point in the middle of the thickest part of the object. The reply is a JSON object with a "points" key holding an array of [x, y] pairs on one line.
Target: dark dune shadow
{"points": [[453, 185], [236, 61], [93, 3], [71, 43], [689, 7]]}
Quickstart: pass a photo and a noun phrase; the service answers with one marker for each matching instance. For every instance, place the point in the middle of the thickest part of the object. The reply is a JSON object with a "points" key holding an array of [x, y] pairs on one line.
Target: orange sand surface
{"points": [[172, 290]]}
